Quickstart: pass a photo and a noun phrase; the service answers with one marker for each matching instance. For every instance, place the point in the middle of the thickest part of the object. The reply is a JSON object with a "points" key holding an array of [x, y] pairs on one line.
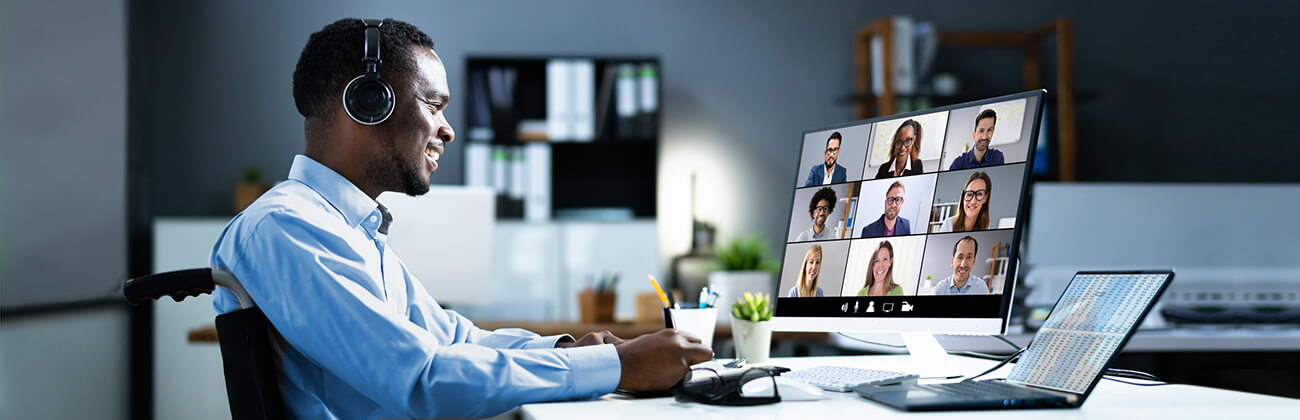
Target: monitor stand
{"points": [[928, 358]]}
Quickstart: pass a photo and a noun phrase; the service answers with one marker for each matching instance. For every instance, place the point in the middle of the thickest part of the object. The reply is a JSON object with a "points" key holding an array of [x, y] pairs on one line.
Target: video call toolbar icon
{"points": [[906, 307], [887, 306], [871, 307]]}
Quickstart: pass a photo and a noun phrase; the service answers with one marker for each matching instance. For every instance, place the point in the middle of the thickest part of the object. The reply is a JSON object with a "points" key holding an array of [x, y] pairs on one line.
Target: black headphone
{"points": [[368, 99]]}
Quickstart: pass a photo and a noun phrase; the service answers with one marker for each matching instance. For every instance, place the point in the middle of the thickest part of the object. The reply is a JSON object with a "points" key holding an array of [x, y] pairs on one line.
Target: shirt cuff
{"points": [[548, 342], [596, 369]]}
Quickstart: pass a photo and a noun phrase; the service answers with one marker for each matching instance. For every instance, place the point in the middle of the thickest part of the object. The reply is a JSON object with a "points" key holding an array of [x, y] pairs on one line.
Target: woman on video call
{"points": [[808, 274], [904, 151], [880, 273], [973, 212]]}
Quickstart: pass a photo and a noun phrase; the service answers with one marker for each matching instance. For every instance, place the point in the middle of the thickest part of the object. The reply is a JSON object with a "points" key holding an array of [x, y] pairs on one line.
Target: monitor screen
{"points": [[911, 222]]}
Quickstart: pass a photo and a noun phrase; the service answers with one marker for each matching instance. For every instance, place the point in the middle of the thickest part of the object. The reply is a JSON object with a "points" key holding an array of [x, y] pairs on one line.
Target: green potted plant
{"points": [[751, 327], [741, 266]]}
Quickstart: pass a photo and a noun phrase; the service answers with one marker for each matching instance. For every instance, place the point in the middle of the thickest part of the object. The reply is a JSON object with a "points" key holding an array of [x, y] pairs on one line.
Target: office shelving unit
{"points": [[1030, 42], [613, 168]]}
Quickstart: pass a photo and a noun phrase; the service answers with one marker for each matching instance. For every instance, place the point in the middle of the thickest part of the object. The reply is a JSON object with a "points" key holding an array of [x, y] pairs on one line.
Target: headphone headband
{"points": [[371, 56]]}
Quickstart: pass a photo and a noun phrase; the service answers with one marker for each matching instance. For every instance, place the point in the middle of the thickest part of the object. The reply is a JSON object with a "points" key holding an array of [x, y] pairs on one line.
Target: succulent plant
{"points": [[753, 308]]}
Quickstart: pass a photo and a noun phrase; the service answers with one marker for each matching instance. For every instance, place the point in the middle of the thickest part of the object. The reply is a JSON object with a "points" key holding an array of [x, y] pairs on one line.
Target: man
{"points": [[820, 208], [831, 172], [982, 155], [889, 224], [961, 282], [361, 337]]}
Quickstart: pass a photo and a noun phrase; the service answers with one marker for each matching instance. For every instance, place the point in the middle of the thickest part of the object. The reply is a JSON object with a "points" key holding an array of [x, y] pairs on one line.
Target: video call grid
{"points": [[860, 221]]}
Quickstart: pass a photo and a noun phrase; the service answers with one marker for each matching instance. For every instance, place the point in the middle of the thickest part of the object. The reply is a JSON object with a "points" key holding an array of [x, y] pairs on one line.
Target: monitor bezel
{"points": [[944, 325]]}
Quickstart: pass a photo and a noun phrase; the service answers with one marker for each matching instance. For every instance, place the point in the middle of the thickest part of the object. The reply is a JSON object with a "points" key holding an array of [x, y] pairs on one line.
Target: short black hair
{"points": [[988, 113], [333, 55], [826, 193], [834, 136]]}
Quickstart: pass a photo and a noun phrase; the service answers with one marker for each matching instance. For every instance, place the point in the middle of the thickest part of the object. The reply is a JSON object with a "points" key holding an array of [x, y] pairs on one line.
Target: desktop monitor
{"points": [[910, 223]]}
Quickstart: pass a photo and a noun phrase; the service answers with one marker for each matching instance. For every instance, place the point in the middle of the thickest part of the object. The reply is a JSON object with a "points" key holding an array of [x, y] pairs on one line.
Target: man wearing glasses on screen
{"points": [[889, 224], [831, 172], [820, 209]]}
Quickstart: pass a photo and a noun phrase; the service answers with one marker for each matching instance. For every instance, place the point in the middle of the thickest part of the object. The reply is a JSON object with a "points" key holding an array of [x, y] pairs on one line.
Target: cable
{"points": [[1004, 362], [1132, 374], [1009, 343], [985, 356], [892, 346], [1135, 383]]}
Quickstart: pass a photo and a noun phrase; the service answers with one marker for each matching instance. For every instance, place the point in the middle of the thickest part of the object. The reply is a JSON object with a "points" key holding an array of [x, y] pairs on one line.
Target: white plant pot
{"points": [[753, 340], [731, 285]]}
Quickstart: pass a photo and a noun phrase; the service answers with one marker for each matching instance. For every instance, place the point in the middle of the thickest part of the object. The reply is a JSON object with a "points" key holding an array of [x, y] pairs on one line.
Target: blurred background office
{"points": [[127, 127]]}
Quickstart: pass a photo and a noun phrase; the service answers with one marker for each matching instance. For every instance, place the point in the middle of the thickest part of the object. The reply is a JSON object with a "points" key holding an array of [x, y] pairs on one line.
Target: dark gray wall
{"points": [[62, 151], [1184, 90]]}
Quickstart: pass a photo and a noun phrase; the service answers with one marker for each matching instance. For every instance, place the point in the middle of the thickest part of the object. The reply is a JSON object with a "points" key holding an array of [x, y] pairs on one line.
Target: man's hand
{"points": [[603, 337], [659, 360]]}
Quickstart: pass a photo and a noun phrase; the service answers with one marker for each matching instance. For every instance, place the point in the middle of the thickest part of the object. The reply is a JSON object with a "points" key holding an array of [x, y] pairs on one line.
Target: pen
{"points": [[668, 315], [704, 297]]}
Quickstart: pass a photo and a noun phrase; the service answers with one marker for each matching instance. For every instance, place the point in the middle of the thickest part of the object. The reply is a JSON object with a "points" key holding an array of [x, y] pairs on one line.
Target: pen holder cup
{"points": [[596, 307], [649, 309], [697, 321]]}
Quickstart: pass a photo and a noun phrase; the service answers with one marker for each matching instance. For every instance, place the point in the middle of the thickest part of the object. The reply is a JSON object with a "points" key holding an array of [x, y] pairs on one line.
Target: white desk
{"points": [[1110, 400]]}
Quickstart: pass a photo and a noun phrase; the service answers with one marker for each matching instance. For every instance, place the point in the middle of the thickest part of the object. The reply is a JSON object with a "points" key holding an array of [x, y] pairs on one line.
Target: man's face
{"points": [[832, 152], [821, 212], [903, 143], [983, 133], [893, 202], [414, 137], [963, 260]]}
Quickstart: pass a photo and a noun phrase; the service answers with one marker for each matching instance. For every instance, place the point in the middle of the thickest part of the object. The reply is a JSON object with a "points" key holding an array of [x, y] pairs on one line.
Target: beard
{"points": [[395, 169]]}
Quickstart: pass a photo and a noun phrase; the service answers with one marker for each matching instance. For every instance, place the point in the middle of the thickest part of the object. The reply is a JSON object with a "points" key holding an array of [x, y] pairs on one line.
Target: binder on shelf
{"points": [[647, 100], [478, 161], [516, 185], [500, 164], [583, 91], [627, 106], [559, 100], [537, 197]]}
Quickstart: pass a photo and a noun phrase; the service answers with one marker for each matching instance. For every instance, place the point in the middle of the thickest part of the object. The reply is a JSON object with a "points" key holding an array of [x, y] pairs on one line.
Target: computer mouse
{"points": [[790, 389]]}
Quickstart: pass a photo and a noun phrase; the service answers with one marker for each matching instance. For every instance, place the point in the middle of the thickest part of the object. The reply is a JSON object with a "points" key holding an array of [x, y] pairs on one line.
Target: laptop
{"points": [[1091, 322]]}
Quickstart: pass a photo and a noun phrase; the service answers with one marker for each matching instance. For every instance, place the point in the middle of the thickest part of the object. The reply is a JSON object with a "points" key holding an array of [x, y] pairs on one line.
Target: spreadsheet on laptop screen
{"points": [[1086, 328]]}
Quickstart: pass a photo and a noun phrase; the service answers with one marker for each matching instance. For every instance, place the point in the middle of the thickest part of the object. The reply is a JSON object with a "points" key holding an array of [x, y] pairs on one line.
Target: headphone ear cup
{"points": [[368, 99]]}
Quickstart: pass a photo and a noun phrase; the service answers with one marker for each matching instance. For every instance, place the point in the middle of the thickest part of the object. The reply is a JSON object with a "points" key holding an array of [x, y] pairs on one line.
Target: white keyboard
{"points": [[843, 379]]}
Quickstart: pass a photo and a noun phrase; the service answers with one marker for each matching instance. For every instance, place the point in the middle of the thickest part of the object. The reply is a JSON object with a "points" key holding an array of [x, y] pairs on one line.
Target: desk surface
{"points": [[1110, 400]]}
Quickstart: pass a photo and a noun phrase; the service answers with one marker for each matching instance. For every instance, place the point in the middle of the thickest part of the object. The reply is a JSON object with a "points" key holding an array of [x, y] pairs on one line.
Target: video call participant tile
{"points": [[813, 269]]}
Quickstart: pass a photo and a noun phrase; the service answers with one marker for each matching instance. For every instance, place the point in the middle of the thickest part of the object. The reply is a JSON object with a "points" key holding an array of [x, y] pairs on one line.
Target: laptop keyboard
{"points": [[980, 390], [843, 379]]}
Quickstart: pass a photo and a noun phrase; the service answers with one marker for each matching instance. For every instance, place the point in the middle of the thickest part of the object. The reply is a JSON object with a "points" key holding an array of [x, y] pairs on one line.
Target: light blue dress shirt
{"points": [[974, 286], [362, 337]]}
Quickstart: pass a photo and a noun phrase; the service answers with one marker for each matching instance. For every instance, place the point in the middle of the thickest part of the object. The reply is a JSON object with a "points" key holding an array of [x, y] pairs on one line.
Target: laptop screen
{"points": [[1091, 321]]}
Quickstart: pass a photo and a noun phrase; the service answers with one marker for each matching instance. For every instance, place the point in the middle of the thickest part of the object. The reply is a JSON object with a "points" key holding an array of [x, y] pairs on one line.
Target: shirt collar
{"points": [[965, 288], [335, 189]]}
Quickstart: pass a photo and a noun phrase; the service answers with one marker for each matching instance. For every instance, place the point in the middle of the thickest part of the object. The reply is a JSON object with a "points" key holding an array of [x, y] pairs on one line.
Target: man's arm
{"points": [[324, 305], [813, 178]]}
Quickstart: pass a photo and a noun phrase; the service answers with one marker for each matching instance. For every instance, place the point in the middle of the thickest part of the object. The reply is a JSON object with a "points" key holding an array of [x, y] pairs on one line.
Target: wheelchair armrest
{"points": [[177, 284]]}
